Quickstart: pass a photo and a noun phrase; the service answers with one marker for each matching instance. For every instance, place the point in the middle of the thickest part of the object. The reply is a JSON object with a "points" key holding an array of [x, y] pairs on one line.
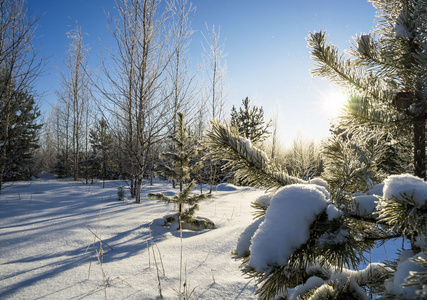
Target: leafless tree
{"points": [[215, 68], [62, 119], [19, 63], [136, 87], [274, 137], [215, 93], [47, 151], [75, 94], [87, 124]]}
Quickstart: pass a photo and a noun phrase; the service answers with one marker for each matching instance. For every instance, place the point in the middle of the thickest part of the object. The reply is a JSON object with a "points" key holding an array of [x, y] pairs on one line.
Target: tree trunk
{"points": [[138, 189], [212, 176], [132, 185], [201, 181], [419, 128]]}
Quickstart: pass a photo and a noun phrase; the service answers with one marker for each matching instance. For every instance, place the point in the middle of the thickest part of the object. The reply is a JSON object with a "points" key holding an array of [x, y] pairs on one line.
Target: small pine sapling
{"points": [[249, 121], [181, 171]]}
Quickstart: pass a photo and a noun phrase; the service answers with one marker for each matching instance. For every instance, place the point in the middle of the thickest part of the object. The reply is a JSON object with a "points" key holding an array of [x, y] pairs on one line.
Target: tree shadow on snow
{"points": [[44, 271]]}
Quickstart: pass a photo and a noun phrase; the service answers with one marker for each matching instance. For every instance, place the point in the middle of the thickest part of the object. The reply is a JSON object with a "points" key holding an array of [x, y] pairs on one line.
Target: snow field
{"points": [[48, 251]]}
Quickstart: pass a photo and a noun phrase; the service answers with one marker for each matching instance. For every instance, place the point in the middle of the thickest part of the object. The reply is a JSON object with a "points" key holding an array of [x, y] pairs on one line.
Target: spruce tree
{"points": [[181, 170], [18, 134], [102, 144], [249, 121]]}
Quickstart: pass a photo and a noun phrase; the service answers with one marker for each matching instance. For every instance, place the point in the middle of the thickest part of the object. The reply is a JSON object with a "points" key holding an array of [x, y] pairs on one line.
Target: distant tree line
{"points": [[114, 124]]}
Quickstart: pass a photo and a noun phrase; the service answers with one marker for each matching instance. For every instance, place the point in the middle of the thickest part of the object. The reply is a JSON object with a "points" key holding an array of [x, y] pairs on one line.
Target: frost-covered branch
{"points": [[344, 71], [251, 165]]}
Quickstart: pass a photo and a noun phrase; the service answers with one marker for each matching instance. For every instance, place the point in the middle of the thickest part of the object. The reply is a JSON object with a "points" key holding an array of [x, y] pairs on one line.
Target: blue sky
{"points": [[265, 45]]}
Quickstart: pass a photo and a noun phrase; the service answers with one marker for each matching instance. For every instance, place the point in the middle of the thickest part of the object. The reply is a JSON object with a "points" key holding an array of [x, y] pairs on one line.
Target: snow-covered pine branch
{"points": [[301, 230], [251, 165], [404, 207]]}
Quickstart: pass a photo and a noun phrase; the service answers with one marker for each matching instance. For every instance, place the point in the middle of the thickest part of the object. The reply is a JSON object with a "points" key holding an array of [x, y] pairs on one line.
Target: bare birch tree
{"points": [[183, 89], [19, 63], [47, 152], [136, 85], [62, 115], [274, 138], [215, 68], [74, 95]]}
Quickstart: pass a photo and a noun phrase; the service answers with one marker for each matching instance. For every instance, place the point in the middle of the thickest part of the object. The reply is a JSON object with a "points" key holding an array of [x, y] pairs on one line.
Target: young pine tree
{"points": [[336, 231], [249, 120], [181, 170], [386, 75], [102, 150]]}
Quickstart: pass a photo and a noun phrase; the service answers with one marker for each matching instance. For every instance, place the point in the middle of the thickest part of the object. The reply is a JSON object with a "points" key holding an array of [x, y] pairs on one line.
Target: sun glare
{"points": [[333, 102]]}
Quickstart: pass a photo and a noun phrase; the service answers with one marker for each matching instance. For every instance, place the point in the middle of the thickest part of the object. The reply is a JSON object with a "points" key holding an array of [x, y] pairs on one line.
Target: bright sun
{"points": [[333, 102]]}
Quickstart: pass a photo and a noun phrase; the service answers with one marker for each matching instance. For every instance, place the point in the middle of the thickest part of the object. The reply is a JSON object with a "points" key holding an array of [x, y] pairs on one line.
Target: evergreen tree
{"points": [[387, 71], [396, 155], [19, 68], [181, 171], [249, 121], [338, 229], [18, 134], [62, 165], [102, 149]]}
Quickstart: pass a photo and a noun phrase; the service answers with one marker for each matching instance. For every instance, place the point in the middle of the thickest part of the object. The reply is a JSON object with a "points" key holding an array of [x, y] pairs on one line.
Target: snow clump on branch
{"points": [[397, 186], [294, 206]]}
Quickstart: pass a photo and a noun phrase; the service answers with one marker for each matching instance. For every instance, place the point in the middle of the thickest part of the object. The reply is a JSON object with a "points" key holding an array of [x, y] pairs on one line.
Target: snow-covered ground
{"points": [[48, 247], [47, 250]]}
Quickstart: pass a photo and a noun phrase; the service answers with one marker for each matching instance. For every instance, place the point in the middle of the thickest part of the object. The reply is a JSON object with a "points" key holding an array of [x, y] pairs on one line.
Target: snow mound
{"points": [[226, 187], [294, 206], [407, 185]]}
